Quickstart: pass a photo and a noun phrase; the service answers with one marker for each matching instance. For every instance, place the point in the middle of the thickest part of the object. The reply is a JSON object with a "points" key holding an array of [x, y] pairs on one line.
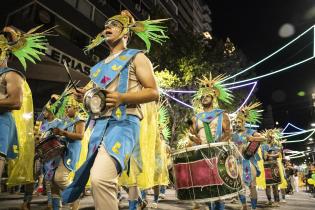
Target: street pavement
{"points": [[298, 201]]}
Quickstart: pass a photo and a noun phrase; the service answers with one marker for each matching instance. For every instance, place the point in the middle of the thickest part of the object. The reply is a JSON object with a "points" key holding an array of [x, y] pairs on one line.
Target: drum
{"points": [[50, 147], [251, 149], [206, 172], [272, 173], [94, 102]]}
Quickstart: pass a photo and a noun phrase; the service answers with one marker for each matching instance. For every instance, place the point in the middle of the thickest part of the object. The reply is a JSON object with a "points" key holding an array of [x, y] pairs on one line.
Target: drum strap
{"points": [[209, 136]]}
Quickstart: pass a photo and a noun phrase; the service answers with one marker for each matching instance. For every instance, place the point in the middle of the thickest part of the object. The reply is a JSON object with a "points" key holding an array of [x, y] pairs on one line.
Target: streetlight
{"points": [[207, 35], [313, 124]]}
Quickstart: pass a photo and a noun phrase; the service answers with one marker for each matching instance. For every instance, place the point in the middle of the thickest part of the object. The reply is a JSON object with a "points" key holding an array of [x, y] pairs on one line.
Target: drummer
{"points": [[271, 152], [49, 122], [72, 134], [241, 137], [212, 124]]}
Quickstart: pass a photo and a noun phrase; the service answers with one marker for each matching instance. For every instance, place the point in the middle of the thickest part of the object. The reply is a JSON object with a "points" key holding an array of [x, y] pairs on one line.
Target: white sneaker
{"points": [[162, 196], [283, 201], [153, 205]]}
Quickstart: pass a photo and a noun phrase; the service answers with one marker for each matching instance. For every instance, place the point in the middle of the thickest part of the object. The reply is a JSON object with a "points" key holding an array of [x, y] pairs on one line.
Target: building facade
{"points": [[78, 22]]}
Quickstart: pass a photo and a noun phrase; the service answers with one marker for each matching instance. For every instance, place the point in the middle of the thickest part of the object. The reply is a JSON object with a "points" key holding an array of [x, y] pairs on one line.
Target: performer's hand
{"points": [[195, 139], [113, 99], [57, 131], [249, 138], [79, 94]]}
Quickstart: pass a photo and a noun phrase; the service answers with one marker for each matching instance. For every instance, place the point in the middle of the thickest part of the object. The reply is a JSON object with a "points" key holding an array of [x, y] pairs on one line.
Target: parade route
{"points": [[298, 201]]}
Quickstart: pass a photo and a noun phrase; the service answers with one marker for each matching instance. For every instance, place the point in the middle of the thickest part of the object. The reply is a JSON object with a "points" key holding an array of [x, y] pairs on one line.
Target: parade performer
{"points": [[212, 124], [71, 133], [275, 174], [160, 166], [126, 77], [248, 142], [161, 178], [134, 180], [50, 121], [17, 139]]}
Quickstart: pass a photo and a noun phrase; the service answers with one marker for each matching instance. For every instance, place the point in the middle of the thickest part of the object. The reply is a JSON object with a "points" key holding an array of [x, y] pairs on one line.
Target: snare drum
{"points": [[50, 147], [272, 173], [206, 172]]}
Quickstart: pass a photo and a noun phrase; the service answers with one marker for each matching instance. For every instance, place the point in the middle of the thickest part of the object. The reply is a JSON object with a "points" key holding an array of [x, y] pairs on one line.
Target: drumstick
{"points": [[69, 75]]}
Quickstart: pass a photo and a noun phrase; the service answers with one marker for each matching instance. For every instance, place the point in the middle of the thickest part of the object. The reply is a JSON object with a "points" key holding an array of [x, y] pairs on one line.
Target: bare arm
{"points": [[274, 155], [79, 94], [144, 73], [77, 135], [226, 128], [15, 92], [256, 137]]}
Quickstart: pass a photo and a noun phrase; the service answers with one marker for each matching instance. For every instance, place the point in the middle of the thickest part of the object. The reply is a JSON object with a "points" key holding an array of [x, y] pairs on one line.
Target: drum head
{"points": [[207, 172], [94, 101]]}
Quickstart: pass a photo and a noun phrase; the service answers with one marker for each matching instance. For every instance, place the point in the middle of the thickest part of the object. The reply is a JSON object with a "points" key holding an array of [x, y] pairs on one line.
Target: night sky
{"points": [[254, 26]]}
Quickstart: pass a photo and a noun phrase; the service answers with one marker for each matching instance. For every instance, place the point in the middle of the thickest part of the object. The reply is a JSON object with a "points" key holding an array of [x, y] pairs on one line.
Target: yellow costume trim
{"points": [[21, 169], [161, 172], [261, 180], [284, 183], [148, 134], [83, 152]]}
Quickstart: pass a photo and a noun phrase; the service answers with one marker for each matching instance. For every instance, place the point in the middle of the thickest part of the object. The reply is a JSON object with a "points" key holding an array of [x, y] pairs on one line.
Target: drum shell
{"points": [[201, 173], [49, 148], [272, 173]]}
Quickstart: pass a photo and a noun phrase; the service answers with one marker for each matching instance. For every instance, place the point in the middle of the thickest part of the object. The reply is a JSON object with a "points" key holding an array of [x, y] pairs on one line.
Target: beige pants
{"points": [[60, 182], [104, 181]]}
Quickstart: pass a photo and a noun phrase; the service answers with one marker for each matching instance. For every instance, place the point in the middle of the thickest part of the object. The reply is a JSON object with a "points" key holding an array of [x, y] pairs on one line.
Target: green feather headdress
{"points": [[25, 46], [59, 105], [147, 30], [213, 87], [250, 114], [163, 122], [274, 135]]}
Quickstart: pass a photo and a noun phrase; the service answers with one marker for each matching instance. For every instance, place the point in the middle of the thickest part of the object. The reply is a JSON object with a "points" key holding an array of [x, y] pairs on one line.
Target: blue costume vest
{"points": [[73, 149], [121, 130], [208, 117], [240, 139]]}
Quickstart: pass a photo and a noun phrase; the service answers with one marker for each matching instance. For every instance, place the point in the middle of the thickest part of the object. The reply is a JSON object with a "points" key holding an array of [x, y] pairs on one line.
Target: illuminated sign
{"points": [[60, 57]]}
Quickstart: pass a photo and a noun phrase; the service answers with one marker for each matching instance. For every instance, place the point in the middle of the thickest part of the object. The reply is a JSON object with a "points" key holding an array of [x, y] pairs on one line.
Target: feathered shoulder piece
{"points": [[164, 120], [273, 134], [250, 113]]}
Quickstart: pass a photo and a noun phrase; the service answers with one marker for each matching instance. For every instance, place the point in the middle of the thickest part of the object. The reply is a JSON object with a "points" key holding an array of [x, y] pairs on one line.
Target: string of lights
{"points": [[274, 53]]}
